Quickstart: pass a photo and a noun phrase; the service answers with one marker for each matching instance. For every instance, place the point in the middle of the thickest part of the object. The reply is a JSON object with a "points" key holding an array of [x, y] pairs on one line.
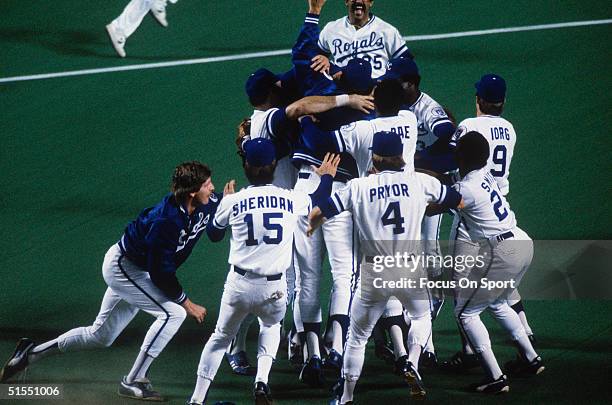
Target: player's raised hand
{"points": [[362, 103], [230, 188], [315, 6], [329, 165], [196, 311], [320, 63]]}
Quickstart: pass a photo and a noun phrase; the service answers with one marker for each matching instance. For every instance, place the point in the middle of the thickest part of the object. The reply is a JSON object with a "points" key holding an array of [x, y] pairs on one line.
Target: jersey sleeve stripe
{"points": [[399, 51], [340, 142], [338, 203], [442, 193], [217, 225], [440, 121], [268, 126]]}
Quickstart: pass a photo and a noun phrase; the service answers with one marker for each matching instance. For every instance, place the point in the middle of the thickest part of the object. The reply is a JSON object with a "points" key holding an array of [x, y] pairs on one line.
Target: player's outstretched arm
{"points": [[315, 6], [318, 104], [315, 220]]}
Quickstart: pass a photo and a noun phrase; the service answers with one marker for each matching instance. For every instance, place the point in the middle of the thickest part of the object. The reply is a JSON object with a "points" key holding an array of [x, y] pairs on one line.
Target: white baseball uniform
{"points": [[131, 17], [387, 206], [263, 219], [377, 41], [507, 250], [356, 138], [262, 126]]}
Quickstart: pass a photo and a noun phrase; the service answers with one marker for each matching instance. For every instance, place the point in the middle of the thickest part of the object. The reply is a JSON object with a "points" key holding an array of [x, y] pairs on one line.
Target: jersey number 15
{"points": [[268, 225]]}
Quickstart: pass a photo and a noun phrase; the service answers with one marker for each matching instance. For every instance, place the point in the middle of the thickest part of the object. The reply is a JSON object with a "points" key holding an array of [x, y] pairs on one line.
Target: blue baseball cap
{"points": [[357, 76], [259, 83], [387, 144], [491, 88], [259, 152], [401, 67]]}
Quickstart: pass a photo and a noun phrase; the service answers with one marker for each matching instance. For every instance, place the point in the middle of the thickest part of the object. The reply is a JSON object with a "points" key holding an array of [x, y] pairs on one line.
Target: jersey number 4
{"points": [[267, 239], [393, 216]]}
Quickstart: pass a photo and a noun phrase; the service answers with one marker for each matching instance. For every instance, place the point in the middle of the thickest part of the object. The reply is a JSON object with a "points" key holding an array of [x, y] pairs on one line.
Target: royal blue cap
{"points": [[259, 152], [258, 84], [387, 144], [357, 76], [401, 67], [491, 88]]}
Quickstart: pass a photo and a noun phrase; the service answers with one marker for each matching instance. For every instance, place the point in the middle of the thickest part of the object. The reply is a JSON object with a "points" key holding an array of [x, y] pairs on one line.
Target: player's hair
{"points": [[490, 108], [388, 97], [188, 177], [473, 151], [259, 175], [394, 163], [414, 79]]}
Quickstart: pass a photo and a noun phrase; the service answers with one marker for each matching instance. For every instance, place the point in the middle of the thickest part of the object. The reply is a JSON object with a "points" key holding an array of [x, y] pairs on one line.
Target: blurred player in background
{"points": [[128, 21]]}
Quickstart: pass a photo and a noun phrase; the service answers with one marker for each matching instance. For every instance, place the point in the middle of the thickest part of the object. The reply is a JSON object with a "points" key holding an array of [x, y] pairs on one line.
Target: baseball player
{"points": [[435, 130], [140, 271], [263, 218], [128, 21], [388, 206], [491, 223], [272, 121], [361, 35], [500, 134], [355, 139]]}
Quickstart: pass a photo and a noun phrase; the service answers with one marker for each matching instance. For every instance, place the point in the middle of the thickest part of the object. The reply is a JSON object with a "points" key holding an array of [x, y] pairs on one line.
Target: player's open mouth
{"points": [[358, 8]]}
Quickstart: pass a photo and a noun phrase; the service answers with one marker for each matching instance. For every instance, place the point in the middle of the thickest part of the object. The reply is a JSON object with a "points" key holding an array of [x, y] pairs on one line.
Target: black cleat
{"points": [[428, 360], [139, 389], [520, 367], [239, 363], [312, 373], [19, 360], [333, 361], [413, 378], [490, 386], [460, 362], [262, 394]]}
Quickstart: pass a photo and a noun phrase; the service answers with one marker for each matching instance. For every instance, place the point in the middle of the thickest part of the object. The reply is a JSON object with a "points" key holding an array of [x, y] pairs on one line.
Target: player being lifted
{"points": [[387, 206], [263, 218], [491, 223], [140, 271]]}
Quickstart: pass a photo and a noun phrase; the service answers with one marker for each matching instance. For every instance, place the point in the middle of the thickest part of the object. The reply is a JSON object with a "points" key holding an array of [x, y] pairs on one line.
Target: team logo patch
{"points": [[438, 112], [460, 132]]}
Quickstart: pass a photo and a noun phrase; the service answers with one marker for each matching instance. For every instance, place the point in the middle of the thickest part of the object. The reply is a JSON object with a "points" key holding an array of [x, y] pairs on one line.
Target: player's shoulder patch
{"points": [[438, 112], [213, 197], [460, 131]]}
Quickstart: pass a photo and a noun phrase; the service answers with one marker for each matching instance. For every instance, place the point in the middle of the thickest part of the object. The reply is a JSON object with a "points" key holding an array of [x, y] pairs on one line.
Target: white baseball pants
{"points": [[131, 17], [243, 295], [129, 289]]}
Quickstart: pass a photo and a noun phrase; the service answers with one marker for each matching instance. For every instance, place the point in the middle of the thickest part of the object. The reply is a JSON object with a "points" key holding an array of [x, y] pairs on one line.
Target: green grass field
{"points": [[82, 155]]}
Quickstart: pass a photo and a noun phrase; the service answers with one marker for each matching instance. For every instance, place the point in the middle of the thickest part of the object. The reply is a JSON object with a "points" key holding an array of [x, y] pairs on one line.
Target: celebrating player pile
{"points": [[347, 158]]}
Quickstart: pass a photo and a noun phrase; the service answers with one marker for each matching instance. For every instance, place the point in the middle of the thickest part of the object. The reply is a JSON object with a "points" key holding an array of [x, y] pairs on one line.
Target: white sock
{"points": [[264, 365], [397, 338], [337, 337], [201, 388], [490, 363], [140, 367], [414, 353], [526, 348], [43, 350], [349, 388], [312, 341]]}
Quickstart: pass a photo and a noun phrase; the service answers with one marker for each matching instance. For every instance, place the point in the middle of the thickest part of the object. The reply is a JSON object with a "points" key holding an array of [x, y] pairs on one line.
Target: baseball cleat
{"points": [[262, 394], [295, 353], [139, 389], [520, 367], [117, 39], [428, 360], [19, 360], [312, 373], [460, 362], [333, 361], [413, 378], [491, 386], [239, 363], [159, 13]]}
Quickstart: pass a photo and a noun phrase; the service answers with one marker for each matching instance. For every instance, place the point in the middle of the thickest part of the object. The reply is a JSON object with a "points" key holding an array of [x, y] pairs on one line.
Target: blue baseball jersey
{"points": [[162, 238]]}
